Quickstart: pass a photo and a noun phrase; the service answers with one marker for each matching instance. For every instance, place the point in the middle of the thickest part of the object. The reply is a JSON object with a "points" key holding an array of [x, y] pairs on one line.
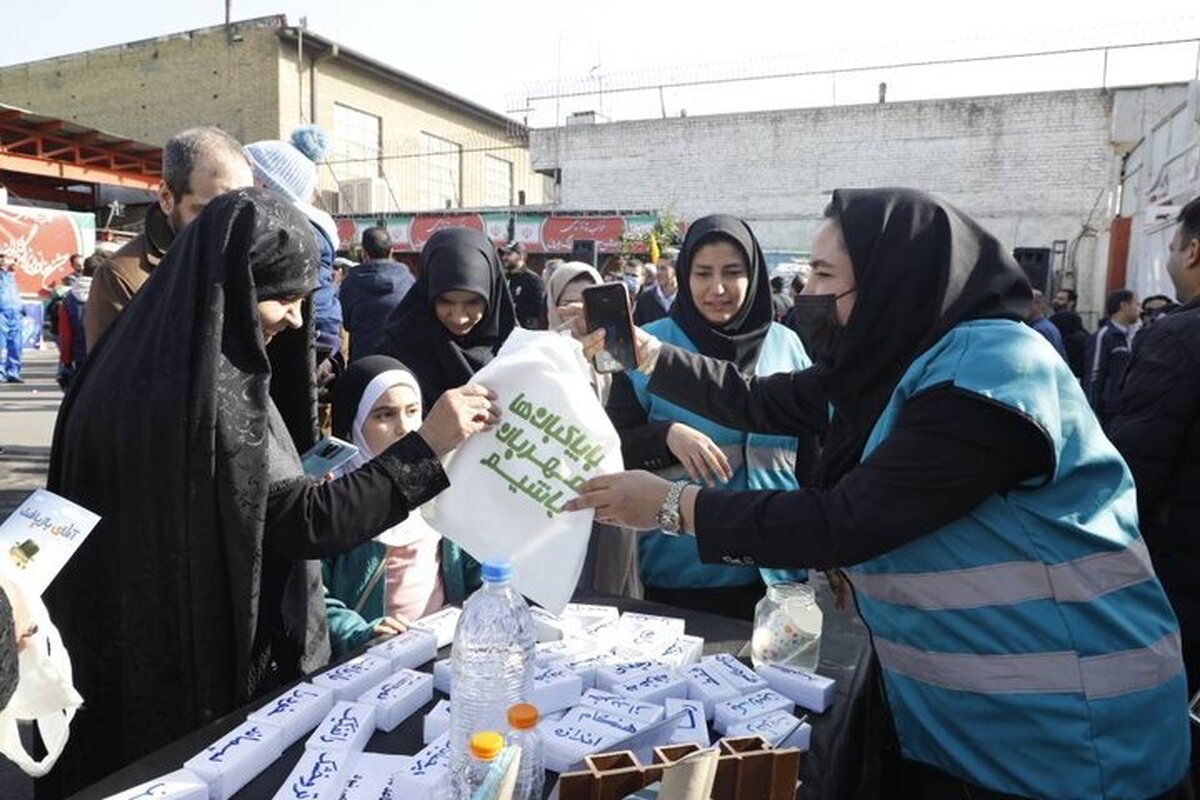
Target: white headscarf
{"points": [[414, 528]]}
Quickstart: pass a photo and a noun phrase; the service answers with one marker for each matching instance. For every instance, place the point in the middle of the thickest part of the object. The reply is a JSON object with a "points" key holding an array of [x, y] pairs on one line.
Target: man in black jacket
{"points": [[371, 291], [1157, 430], [527, 289], [1108, 352], [1070, 325]]}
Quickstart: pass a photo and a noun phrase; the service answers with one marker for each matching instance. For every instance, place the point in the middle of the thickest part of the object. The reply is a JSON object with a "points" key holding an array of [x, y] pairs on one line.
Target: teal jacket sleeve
{"points": [[347, 628]]}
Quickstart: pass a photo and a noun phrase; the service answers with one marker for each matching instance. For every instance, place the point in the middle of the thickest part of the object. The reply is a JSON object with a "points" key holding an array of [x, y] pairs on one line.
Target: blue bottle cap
{"points": [[497, 571]]}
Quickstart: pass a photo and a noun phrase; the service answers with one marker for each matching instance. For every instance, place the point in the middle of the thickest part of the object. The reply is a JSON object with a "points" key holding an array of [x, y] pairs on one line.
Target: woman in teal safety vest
{"points": [[988, 526], [723, 310]]}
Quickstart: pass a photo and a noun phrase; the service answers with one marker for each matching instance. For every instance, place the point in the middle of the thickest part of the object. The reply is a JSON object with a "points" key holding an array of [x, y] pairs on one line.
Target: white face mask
{"points": [[44, 696]]}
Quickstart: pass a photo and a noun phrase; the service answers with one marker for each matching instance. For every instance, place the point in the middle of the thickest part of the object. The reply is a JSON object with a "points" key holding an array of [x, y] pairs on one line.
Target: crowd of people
{"points": [[1008, 494]]}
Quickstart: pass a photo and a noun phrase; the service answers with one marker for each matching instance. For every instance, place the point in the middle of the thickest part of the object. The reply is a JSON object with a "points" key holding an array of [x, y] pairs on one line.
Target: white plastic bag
{"points": [[508, 486]]}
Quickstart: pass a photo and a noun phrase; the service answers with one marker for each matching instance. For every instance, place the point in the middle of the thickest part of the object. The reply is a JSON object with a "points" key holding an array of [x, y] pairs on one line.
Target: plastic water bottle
{"points": [[482, 750], [523, 731], [491, 663]]}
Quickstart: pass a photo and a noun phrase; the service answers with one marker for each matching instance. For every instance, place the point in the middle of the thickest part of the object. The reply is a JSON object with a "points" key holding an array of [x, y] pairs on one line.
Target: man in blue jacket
{"points": [[371, 291], [11, 329]]}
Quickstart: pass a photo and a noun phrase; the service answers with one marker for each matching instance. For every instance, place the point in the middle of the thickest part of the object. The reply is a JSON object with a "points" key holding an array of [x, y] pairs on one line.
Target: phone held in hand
{"points": [[326, 456], [607, 307]]}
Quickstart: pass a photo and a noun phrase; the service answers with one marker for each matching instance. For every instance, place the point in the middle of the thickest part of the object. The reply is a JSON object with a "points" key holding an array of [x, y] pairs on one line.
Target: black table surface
{"points": [[826, 771]]}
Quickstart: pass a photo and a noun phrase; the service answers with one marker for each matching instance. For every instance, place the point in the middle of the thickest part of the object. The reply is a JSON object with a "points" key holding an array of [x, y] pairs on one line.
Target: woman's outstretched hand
{"points": [[457, 415], [699, 455], [628, 499], [647, 346]]}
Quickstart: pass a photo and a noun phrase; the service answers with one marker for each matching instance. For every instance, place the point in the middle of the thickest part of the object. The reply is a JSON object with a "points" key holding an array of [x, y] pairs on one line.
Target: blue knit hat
{"points": [[289, 168]]}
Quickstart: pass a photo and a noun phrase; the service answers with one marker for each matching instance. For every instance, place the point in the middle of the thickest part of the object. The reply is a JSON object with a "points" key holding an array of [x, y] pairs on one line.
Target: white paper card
{"points": [[552, 437], [297, 711], [370, 774], [649, 712], [437, 721], [747, 707], [411, 649], [398, 697], [179, 785], [348, 727], [236, 758], [318, 775], [355, 676], [694, 727], [421, 776], [41, 536]]}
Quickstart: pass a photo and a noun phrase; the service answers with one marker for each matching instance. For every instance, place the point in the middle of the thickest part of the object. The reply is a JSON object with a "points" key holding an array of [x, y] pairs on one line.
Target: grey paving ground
{"points": [[27, 413]]}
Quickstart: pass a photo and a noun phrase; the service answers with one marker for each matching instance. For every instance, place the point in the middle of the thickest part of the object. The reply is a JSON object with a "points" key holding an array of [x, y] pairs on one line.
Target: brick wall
{"points": [[1030, 167], [152, 89]]}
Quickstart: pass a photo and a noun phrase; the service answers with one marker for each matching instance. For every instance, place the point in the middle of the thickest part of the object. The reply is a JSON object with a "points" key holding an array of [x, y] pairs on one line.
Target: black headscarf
{"points": [[173, 612], [351, 385], [453, 259], [920, 267], [740, 339]]}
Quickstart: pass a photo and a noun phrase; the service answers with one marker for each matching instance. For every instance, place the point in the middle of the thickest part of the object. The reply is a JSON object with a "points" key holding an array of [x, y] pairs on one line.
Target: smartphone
{"points": [[1194, 709], [326, 456], [607, 306]]}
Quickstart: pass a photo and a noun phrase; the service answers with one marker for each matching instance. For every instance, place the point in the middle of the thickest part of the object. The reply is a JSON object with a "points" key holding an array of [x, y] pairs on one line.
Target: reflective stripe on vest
{"points": [[1077, 581], [1095, 677]]}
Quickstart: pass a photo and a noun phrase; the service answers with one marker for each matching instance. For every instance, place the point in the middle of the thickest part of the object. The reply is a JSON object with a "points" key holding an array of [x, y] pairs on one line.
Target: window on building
{"points": [[498, 182], [357, 143], [441, 172]]}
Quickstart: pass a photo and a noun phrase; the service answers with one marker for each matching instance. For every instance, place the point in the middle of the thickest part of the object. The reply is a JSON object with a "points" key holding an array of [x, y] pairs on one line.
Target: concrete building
{"points": [[399, 143], [1160, 174], [1039, 170]]}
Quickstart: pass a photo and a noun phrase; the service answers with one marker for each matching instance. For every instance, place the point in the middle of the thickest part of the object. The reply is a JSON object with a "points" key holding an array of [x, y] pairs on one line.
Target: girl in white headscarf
{"points": [[404, 573]]}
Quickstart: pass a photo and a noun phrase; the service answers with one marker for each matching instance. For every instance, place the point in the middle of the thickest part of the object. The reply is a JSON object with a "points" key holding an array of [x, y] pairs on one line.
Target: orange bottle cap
{"points": [[523, 716], [486, 745]]}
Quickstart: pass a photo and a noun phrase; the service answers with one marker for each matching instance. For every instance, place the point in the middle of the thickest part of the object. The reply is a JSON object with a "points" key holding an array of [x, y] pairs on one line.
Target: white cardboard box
{"points": [[236, 758], [297, 711], [424, 773], [437, 721], [807, 689], [351, 678], [555, 689], [622, 672], [739, 676], [348, 727], [780, 728], [179, 785], [594, 698], [567, 744], [547, 653], [585, 666], [411, 649], [441, 624], [443, 675], [747, 707], [617, 724], [318, 775], [683, 651], [708, 686], [653, 687], [694, 727], [631, 620], [370, 774], [398, 697]]}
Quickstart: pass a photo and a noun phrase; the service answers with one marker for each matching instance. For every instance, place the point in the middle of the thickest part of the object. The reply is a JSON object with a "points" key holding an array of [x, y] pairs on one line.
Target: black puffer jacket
{"points": [[1157, 430]]}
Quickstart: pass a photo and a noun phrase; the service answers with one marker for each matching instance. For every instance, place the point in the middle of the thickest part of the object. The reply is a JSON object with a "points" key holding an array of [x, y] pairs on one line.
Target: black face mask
{"points": [[817, 324]]}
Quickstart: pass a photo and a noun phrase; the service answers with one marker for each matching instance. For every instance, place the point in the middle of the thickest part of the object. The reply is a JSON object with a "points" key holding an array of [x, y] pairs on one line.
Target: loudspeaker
{"points": [[584, 250], [1035, 262]]}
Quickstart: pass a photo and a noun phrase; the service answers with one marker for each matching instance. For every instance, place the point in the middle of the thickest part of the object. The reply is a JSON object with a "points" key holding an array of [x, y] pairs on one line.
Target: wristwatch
{"points": [[668, 516]]}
